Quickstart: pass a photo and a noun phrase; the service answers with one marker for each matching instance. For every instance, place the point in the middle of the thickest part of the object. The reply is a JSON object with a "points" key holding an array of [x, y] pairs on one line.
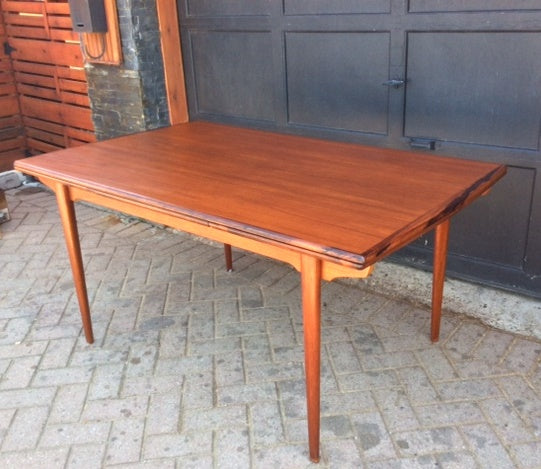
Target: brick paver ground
{"points": [[194, 367]]}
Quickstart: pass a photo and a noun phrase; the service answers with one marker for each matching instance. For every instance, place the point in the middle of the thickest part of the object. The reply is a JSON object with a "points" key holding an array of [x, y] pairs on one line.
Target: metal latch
{"points": [[395, 83], [423, 143]]}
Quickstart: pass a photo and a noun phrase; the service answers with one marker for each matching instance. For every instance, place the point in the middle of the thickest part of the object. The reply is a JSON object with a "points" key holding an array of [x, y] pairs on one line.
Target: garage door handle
{"points": [[394, 83]]}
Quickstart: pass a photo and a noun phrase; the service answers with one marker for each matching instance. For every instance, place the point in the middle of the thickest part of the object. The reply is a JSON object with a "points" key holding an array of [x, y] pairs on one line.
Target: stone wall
{"points": [[131, 97]]}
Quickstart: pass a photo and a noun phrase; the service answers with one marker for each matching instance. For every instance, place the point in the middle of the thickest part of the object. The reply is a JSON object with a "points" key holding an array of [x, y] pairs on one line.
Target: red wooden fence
{"points": [[11, 131], [47, 65]]}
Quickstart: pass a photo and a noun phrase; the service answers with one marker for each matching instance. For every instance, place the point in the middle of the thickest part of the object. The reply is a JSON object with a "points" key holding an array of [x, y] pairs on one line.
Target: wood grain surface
{"points": [[354, 203]]}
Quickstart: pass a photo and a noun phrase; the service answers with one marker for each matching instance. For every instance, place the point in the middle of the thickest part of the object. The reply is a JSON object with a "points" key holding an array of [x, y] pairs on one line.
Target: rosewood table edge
{"points": [[430, 221]]}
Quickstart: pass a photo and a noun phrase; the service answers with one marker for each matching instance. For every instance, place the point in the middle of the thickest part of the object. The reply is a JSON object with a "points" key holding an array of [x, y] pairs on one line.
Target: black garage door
{"points": [[453, 77]]}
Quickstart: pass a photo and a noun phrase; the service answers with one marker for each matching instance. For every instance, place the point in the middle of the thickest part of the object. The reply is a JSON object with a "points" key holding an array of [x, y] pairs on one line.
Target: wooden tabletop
{"points": [[354, 203]]}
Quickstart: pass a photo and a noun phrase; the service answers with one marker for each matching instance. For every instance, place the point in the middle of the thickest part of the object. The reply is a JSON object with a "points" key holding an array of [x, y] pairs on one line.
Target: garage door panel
{"points": [[227, 7], [322, 7], [433, 6], [495, 228], [475, 88], [233, 74], [329, 84]]}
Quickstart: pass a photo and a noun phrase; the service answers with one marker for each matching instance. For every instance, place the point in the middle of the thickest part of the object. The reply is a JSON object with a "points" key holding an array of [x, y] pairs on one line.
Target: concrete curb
{"points": [[498, 308]]}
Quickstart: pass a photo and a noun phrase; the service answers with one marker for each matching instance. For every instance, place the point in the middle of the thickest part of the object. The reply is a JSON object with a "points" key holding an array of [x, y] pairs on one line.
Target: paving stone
{"points": [[19, 373], [116, 409], [25, 429], [528, 455], [286, 457], [441, 439], [229, 369], [106, 381], [506, 421], [374, 440], [53, 458], [437, 365], [175, 445], [125, 440], [29, 397], [74, 434], [396, 409], [344, 358], [60, 376], [449, 413], [368, 380], [267, 428], [488, 448], [69, 403], [164, 412], [342, 454], [468, 389], [246, 393], [86, 456], [216, 418], [417, 385], [232, 446], [456, 460], [198, 391]]}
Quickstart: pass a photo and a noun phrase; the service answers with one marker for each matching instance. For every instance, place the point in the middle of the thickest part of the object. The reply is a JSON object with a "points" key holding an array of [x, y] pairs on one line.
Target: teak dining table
{"points": [[329, 209]]}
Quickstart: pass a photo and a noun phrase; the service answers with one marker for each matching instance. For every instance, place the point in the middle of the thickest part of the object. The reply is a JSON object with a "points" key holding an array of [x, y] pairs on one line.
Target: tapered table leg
{"points": [[69, 223], [311, 305], [440, 262], [228, 257]]}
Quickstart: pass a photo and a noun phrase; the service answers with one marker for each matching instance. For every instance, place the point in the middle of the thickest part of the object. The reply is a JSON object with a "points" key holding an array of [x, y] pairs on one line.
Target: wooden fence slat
{"points": [[60, 22], [43, 125], [80, 135], [37, 92], [26, 32], [38, 80], [48, 137], [75, 98], [72, 73], [77, 116], [10, 121], [10, 133], [8, 157], [39, 108], [66, 114], [22, 7], [47, 52], [7, 88], [57, 8], [63, 35], [38, 146], [6, 77], [73, 85], [22, 20], [32, 67], [8, 106], [11, 144]]}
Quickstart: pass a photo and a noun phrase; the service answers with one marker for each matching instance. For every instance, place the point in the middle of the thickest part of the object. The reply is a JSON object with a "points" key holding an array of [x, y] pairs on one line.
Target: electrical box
{"points": [[88, 16]]}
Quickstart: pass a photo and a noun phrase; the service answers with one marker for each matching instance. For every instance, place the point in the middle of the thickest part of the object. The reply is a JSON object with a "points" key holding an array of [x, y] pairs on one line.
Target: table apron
{"points": [[330, 269]]}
